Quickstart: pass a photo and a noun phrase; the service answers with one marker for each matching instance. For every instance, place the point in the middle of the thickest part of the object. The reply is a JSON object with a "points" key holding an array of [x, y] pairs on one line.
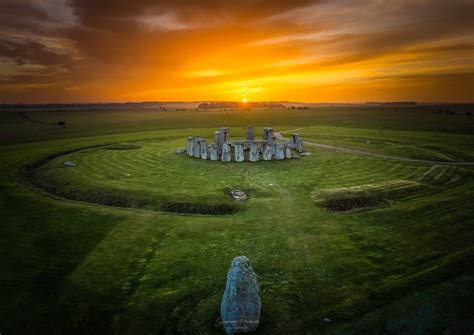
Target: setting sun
{"points": [[244, 100]]}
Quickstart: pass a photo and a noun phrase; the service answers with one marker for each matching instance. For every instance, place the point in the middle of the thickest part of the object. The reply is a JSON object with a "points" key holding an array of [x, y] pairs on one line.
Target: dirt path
{"points": [[395, 158]]}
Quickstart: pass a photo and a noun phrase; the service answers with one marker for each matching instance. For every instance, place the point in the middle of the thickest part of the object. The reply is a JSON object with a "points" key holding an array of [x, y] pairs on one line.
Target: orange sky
{"points": [[297, 50]]}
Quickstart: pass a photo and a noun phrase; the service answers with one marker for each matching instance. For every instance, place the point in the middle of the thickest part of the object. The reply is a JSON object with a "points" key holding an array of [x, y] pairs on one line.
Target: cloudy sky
{"points": [[298, 50]]}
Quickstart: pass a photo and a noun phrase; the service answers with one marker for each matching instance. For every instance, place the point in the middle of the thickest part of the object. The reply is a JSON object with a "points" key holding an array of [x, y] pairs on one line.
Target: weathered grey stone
{"points": [[279, 151], [250, 134], [241, 304], [288, 151], [238, 195], [225, 133], [254, 152], [305, 154], [219, 141], [180, 150], [190, 146], [203, 149], [69, 164], [239, 152], [267, 134], [213, 152], [197, 147], [226, 152], [267, 152], [296, 142]]}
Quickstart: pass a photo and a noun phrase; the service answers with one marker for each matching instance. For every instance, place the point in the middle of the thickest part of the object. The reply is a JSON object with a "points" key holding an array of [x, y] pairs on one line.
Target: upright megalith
{"points": [[241, 304], [267, 152], [239, 152], [226, 152], [203, 149], [219, 141], [190, 147], [225, 133], [288, 154], [296, 142], [213, 156], [197, 147], [254, 152], [268, 134], [279, 151], [250, 134]]}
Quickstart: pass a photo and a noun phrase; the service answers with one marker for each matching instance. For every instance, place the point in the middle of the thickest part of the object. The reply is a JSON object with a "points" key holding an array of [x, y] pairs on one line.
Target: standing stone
{"points": [[239, 152], [203, 149], [225, 134], [213, 152], [267, 152], [297, 142], [219, 140], [267, 134], [241, 304], [254, 152], [279, 151], [250, 134], [190, 148], [287, 150], [197, 147], [226, 153]]}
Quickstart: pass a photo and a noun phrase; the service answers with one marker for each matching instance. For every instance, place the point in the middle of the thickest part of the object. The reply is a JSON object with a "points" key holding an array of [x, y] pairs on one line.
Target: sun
{"points": [[244, 100]]}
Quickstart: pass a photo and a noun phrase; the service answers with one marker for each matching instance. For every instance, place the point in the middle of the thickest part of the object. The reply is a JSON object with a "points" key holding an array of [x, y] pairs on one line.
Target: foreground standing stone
{"points": [[267, 152], [254, 152], [213, 152], [240, 307], [190, 146], [203, 149], [279, 151]]}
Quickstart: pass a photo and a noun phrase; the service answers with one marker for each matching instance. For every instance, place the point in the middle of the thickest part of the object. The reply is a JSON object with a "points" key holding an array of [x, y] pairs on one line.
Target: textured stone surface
{"points": [[241, 304], [190, 146], [203, 149], [267, 134], [288, 151], [267, 152], [226, 153], [279, 151], [250, 134], [239, 152], [238, 195], [197, 147], [219, 141], [213, 152], [254, 152], [296, 142], [180, 150], [69, 164]]}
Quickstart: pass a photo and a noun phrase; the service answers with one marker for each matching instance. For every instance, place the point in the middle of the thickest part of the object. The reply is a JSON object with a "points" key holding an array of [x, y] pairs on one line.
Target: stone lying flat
{"points": [[180, 150], [69, 164], [240, 307], [305, 154], [238, 195]]}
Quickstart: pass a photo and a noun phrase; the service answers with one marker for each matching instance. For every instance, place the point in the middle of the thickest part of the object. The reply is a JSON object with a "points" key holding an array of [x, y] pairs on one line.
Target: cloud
{"points": [[194, 50]]}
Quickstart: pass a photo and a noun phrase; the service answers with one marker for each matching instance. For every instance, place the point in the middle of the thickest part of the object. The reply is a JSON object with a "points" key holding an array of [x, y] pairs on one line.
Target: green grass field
{"points": [[114, 245]]}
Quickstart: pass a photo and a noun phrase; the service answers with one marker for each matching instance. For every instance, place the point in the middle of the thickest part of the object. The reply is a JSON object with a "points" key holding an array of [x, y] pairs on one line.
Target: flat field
{"points": [[137, 239]]}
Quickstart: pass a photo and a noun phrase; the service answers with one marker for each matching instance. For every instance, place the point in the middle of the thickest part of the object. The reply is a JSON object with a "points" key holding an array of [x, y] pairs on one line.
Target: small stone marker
{"points": [[238, 195], [226, 152], [69, 164], [239, 152], [240, 307], [180, 150]]}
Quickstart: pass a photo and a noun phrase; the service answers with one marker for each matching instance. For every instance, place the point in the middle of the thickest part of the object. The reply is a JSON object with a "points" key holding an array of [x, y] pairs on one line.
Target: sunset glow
{"points": [[342, 51]]}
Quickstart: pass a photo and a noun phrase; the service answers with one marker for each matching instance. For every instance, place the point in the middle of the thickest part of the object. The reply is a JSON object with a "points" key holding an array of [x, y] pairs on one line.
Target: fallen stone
{"points": [[238, 195], [305, 154], [327, 320], [69, 164], [180, 150], [240, 307]]}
